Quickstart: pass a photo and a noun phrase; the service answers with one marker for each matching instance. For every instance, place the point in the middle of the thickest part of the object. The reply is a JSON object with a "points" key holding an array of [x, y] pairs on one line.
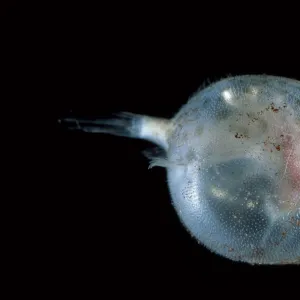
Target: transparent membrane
{"points": [[234, 170]]}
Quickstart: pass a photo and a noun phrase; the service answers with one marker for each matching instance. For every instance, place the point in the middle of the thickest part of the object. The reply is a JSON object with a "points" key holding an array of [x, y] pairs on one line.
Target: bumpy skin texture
{"points": [[234, 168]]}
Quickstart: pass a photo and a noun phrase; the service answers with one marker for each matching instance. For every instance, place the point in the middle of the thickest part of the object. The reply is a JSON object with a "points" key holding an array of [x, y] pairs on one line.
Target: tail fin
{"points": [[125, 124]]}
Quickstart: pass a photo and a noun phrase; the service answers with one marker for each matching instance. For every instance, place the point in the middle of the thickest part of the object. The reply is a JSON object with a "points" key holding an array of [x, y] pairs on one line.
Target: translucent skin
{"points": [[232, 155], [234, 168]]}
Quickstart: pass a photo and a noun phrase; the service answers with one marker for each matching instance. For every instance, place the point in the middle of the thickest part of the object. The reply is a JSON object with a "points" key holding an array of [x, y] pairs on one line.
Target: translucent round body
{"points": [[234, 168]]}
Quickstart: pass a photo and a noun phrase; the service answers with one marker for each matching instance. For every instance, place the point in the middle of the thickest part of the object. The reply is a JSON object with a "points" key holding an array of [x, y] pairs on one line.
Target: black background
{"points": [[107, 214]]}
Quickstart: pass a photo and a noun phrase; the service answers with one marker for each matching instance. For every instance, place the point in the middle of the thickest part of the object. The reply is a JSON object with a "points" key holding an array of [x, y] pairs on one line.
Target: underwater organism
{"points": [[232, 155]]}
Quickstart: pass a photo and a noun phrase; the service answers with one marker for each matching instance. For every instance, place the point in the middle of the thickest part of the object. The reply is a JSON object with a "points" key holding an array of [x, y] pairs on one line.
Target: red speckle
{"points": [[273, 108]]}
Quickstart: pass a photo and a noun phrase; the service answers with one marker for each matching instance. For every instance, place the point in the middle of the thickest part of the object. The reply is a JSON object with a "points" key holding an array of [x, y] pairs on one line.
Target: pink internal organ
{"points": [[291, 179], [291, 155]]}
